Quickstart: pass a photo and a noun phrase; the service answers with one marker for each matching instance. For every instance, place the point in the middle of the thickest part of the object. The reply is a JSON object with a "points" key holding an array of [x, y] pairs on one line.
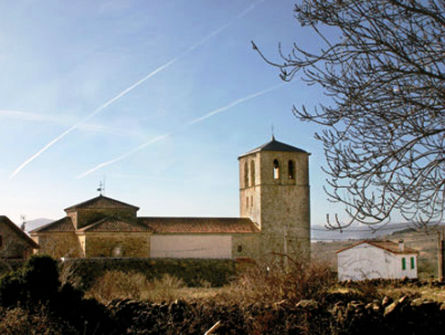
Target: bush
{"points": [[36, 287], [41, 278], [36, 281], [20, 321], [273, 283], [118, 285]]}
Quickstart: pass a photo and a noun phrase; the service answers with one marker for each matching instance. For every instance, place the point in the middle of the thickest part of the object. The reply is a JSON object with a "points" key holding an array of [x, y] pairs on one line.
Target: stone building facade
{"points": [[14, 243], [274, 219], [274, 194]]}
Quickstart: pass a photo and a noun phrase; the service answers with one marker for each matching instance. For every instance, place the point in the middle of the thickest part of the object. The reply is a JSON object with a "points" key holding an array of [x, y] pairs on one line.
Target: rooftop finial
{"points": [[273, 135], [101, 188]]}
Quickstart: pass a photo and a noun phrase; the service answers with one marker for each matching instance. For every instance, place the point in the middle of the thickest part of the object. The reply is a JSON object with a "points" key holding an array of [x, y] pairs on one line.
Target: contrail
{"points": [[188, 124], [125, 155], [132, 87]]}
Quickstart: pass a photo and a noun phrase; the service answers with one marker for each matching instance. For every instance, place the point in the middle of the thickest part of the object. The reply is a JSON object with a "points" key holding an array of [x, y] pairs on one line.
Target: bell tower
{"points": [[274, 194]]}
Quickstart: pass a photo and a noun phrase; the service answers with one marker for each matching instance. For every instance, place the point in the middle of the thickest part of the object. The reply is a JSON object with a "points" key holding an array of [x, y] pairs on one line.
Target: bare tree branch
{"points": [[384, 140]]}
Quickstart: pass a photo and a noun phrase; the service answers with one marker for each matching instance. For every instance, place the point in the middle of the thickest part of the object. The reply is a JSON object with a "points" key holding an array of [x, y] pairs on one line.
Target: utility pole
{"points": [[440, 255]]}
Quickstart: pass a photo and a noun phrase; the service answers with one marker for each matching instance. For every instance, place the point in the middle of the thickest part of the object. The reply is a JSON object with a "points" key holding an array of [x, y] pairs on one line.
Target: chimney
{"points": [[401, 245]]}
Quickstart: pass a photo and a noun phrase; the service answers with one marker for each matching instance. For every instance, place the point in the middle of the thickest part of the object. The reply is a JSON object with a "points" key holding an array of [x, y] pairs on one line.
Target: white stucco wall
{"points": [[191, 246], [368, 262]]}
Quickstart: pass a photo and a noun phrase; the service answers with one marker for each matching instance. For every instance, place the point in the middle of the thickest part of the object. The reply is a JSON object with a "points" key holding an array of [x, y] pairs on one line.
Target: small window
{"points": [[413, 263], [252, 173], [246, 175], [276, 169], [247, 202], [251, 201], [291, 169], [403, 263], [240, 248]]}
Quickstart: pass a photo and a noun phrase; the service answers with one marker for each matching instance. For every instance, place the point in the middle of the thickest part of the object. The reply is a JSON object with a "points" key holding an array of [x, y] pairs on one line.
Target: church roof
{"points": [[101, 202], [112, 224], [63, 225], [386, 245], [6, 221], [199, 225], [275, 145]]}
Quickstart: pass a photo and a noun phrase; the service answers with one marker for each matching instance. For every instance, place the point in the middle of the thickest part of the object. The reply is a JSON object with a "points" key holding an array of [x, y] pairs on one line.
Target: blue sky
{"points": [[70, 81]]}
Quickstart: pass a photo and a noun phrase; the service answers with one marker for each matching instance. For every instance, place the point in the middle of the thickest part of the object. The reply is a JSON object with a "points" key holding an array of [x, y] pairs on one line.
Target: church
{"points": [[274, 219]]}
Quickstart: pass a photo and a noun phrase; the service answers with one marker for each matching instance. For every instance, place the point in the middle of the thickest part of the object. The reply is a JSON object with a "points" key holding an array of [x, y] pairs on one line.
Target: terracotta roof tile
{"points": [[63, 225], [386, 245], [199, 225], [275, 145], [6, 221], [101, 201], [114, 225]]}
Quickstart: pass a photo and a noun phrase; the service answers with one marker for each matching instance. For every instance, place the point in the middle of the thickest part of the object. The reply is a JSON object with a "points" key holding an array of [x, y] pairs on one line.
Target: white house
{"points": [[377, 259]]}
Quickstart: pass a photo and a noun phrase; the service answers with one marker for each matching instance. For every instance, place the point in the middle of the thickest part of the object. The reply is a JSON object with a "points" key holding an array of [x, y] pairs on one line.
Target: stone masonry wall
{"points": [[58, 244], [117, 244], [86, 216], [246, 245], [12, 245], [279, 206]]}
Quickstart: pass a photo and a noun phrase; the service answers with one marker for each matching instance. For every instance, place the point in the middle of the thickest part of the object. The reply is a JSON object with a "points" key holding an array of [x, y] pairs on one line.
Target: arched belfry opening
{"points": [[276, 169], [291, 169], [252, 173]]}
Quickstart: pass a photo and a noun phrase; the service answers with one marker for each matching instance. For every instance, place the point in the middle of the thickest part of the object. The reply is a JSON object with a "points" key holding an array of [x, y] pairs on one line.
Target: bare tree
{"points": [[385, 128]]}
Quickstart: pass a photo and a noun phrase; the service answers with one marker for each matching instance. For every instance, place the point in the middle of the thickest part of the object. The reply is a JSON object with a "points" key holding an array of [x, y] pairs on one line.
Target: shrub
{"points": [[37, 280], [118, 285], [41, 278], [274, 283], [20, 321]]}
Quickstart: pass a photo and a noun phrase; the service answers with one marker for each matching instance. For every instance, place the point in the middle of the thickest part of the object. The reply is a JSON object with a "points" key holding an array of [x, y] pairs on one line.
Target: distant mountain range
{"points": [[36, 223]]}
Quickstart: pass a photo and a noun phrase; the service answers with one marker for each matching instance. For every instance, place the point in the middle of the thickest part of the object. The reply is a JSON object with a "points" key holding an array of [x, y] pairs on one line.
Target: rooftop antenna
{"points": [[23, 219]]}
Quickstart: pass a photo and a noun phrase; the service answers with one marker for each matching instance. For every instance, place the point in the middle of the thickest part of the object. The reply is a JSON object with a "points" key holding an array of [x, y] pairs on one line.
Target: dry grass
{"points": [[122, 285], [118, 285], [274, 284], [299, 281], [20, 321]]}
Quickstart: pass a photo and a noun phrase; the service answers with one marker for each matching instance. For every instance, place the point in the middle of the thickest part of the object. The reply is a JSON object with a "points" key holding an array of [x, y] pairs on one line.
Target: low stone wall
{"points": [[403, 316]]}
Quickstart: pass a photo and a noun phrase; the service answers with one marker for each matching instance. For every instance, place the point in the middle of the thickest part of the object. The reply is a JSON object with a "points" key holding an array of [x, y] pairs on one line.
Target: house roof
{"points": [[63, 225], [6, 221], [101, 202], [386, 245], [199, 225], [112, 224], [275, 145]]}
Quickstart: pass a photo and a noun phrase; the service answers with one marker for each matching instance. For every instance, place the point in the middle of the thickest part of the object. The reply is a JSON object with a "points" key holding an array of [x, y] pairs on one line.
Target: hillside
{"points": [[423, 241]]}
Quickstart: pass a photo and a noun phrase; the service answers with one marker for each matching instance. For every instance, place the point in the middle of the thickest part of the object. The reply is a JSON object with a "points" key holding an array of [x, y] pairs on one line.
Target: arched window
{"points": [[252, 173], [246, 175], [276, 169], [291, 169]]}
